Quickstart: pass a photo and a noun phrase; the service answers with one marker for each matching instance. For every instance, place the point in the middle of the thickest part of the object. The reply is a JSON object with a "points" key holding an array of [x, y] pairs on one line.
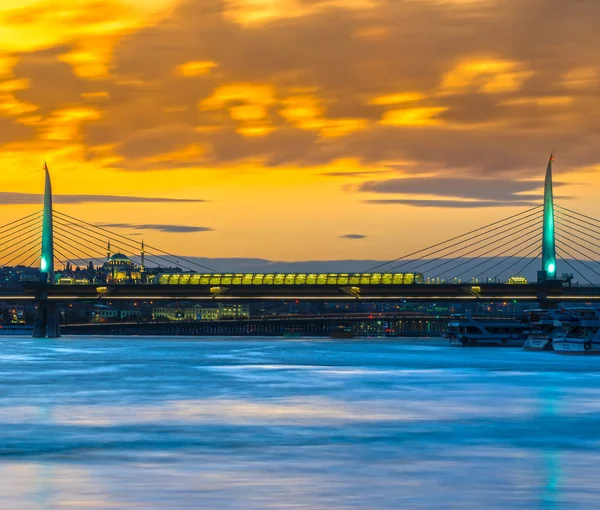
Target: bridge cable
{"points": [[528, 263], [31, 253], [34, 241], [34, 257], [82, 241], [20, 244], [535, 231], [505, 259], [578, 221], [66, 259], [148, 254], [469, 247], [503, 238], [570, 227], [452, 239], [19, 234], [521, 260], [577, 251], [115, 243], [499, 263], [573, 268], [562, 234], [578, 213], [39, 213], [60, 243], [63, 231], [148, 246]]}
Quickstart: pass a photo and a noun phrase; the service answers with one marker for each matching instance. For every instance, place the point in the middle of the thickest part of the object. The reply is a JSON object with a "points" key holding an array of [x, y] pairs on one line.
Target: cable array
{"points": [[491, 251], [578, 242], [78, 241], [20, 241]]}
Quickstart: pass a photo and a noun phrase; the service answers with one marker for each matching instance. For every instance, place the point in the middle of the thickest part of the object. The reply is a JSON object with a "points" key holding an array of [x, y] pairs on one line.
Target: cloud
{"points": [[353, 236], [306, 83], [455, 204], [468, 188], [34, 198], [174, 229]]}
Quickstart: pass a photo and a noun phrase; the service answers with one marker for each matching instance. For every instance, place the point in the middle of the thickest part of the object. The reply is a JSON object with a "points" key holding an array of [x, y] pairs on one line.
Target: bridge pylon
{"points": [[548, 271], [46, 323]]}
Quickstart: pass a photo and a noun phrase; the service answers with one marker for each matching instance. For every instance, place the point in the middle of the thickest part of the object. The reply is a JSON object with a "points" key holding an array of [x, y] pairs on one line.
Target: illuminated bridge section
{"points": [[340, 279]]}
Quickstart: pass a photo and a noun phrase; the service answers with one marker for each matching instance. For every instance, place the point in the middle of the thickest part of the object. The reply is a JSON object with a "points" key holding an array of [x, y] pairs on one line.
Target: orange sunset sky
{"points": [[284, 126]]}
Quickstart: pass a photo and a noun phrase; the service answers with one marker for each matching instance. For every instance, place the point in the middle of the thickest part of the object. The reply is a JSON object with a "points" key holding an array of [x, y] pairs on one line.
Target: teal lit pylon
{"points": [[47, 258], [548, 239]]}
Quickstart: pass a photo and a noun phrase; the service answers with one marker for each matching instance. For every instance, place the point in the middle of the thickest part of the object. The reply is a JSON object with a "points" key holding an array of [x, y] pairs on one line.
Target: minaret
{"points": [[548, 240], [47, 258]]}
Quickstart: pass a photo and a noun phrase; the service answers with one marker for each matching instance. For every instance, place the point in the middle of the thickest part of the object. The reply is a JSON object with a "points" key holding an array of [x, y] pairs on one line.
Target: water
{"points": [[294, 424]]}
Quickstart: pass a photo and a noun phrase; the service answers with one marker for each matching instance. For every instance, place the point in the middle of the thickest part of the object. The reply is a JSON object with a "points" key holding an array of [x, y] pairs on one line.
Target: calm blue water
{"points": [[305, 424]]}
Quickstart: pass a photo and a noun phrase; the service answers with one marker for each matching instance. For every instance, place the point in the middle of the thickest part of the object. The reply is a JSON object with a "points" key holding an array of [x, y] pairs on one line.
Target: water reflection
{"points": [[167, 423]]}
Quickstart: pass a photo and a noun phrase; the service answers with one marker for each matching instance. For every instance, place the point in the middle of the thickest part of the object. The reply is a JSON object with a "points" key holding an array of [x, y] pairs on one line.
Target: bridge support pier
{"points": [[46, 323]]}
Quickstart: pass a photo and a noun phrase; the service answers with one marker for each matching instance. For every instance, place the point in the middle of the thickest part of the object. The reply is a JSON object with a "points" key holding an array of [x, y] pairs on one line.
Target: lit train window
{"points": [[247, 279], [321, 279], [237, 279], [354, 279], [215, 279], [205, 279], [332, 279], [365, 279], [163, 279], [279, 279], [195, 279], [174, 279], [269, 278], [258, 279], [342, 279], [289, 279], [386, 278], [409, 278], [398, 279], [311, 279], [300, 279], [226, 279], [185, 279]]}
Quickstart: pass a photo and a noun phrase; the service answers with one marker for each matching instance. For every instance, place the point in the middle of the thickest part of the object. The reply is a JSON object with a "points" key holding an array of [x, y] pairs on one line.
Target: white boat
{"points": [[544, 326], [466, 331], [15, 329], [581, 334]]}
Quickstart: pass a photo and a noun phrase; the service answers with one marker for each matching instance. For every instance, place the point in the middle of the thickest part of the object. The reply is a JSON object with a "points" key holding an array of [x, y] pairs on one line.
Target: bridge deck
{"points": [[552, 290]]}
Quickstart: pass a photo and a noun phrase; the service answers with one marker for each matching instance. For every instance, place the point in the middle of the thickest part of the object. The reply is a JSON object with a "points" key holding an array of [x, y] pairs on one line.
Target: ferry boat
{"points": [[544, 325], [466, 331], [15, 329], [581, 333], [342, 332]]}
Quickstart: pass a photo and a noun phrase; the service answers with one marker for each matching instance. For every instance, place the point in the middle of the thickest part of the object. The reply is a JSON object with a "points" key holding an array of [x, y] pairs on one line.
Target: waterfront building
{"points": [[119, 268], [234, 311], [188, 313]]}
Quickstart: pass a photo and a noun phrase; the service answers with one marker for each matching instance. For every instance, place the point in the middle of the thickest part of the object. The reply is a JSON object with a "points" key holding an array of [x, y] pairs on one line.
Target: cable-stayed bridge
{"points": [[78, 260]]}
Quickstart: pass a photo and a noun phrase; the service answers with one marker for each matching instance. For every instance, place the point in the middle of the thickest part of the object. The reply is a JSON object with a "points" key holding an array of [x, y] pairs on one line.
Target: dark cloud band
{"points": [[173, 229], [9, 198]]}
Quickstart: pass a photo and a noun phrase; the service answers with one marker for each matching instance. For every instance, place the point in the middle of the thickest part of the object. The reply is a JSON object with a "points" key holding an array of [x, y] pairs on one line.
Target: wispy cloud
{"points": [[173, 229], [353, 236], [458, 204], [10, 198]]}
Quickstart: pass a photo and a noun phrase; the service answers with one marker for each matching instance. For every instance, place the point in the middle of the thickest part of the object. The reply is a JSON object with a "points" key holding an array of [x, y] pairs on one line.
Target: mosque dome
{"points": [[119, 258]]}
